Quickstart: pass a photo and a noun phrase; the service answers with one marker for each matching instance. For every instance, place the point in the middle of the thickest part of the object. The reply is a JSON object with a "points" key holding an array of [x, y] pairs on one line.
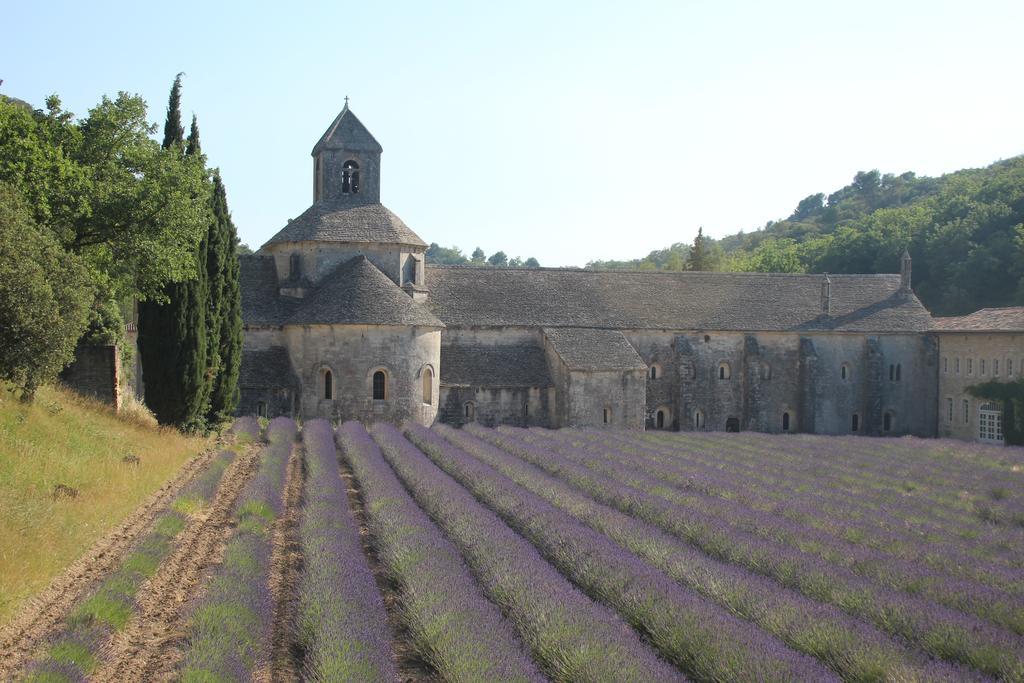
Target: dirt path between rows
{"points": [[147, 648], [285, 569], [44, 613]]}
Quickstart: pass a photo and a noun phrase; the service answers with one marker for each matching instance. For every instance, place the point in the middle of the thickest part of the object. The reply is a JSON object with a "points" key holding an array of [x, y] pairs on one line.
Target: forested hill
{"points": [[964, 230]]}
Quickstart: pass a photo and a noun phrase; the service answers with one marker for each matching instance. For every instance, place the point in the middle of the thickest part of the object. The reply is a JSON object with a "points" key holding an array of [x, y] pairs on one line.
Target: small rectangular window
{"points": [[855, 425], [970, 366], [949, 411], [981, 366], [995, 367], [958, 366], [1009, 367], [967, 411], [945, 366]]}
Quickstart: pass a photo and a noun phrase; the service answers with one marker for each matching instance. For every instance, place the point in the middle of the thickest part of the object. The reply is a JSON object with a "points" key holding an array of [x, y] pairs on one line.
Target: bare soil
{"points": [[44, 613], [285, 569], [411, 667], [149, 647]]}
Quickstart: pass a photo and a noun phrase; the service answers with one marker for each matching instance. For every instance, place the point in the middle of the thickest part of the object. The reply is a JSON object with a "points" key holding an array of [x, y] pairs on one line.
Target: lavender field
{"points": [[527, 555]]}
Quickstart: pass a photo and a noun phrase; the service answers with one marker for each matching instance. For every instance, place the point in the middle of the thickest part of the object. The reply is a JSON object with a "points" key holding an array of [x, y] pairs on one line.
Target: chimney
{"points": [[826, 296], [905, 271]]}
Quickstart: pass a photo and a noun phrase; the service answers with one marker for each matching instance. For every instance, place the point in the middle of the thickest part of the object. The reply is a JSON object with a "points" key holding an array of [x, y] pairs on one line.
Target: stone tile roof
{"points": [[327, 221], [593, 349], [262, 303], [555, 297], [985, 320], [348, 131], [518, 365], [267, 369], [357, 293]]}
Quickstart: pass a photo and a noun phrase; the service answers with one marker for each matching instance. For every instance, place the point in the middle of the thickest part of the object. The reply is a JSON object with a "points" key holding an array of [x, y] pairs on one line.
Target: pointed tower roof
{"points": [[349, 132]]}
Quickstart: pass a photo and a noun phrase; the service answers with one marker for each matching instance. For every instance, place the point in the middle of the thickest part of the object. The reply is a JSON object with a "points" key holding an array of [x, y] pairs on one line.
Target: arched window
{"points": [[844, 372], [855, 423], [766, 371], [261, 409], [887, 422], [659, 419], [607, 415], [698, 419], [295, 266], [328, 385], [724, 371], [380, 385], [655, 371], [428, 386], [469, 411], [350, 177], [785, 422]]}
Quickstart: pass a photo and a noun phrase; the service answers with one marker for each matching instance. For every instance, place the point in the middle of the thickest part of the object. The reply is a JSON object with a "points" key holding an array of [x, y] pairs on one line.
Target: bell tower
{"points": [[346, 163]]}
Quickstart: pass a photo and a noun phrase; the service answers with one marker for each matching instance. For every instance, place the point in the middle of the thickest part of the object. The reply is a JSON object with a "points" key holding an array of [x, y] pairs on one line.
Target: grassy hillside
{"points": [[63, 439]]}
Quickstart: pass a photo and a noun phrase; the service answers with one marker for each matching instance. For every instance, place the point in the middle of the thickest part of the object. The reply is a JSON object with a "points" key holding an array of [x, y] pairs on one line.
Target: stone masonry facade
{"points": [[345, 319]]}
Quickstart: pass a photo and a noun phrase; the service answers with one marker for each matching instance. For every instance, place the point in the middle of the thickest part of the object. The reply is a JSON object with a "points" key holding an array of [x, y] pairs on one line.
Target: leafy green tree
{"points": [[532, 263], [445, 255], [498, 258], [45, 296], [478, 256]]}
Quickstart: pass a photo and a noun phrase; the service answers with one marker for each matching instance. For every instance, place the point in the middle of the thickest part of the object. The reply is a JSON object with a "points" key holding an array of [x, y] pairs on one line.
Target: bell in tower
{"points": [[346, 162]]}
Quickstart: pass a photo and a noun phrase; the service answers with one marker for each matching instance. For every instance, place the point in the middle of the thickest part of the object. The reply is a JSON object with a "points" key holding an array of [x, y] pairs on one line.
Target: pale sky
{"points": [[569, 131]]}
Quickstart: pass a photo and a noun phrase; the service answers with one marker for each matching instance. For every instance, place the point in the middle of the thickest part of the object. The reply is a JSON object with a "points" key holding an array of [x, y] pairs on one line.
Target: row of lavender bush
{"points": [[939, 631], [342, 624], [454, 627], [895, 471], [73, 653], [693, 633], [982, 599], [230, 631], [888, 525], [571, 637], [855, 650]]}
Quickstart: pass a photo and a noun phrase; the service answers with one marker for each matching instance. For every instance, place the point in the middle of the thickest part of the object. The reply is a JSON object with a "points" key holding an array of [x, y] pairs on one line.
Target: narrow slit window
{"points": [[379, 385], [855, 423], [887, 422], [328, 385], [660, 419], [607, 415], [899, 369], [428, 386], [785, 422]]}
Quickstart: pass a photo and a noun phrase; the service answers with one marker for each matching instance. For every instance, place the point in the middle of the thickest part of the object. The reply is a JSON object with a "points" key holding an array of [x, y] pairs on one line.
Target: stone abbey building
{"points": [[345, 319]]}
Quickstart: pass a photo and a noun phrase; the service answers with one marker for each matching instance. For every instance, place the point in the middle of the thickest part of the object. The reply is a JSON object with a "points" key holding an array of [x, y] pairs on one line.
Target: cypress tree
{"points": [[172, 335], [173, 132], [193, 146], [224, 396]]}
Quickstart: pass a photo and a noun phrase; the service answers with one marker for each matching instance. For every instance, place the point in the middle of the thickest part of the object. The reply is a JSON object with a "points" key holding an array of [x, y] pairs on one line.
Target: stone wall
{"points": [[352, 354], [319, 259], [493, 406], [961, 355], [95, 372]]}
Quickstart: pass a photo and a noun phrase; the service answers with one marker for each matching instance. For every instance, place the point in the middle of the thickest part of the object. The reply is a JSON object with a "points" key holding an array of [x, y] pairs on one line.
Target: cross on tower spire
{"points": [[346, 100]]}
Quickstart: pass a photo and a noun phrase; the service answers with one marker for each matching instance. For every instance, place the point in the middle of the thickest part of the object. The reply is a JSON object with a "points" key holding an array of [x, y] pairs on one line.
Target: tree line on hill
{"points": [[964, 230], [96, 215], [453, 256]]}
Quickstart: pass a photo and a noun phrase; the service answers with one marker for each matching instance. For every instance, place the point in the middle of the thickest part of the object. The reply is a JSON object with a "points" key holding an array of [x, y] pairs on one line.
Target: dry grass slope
{"points": [[107, 465]]}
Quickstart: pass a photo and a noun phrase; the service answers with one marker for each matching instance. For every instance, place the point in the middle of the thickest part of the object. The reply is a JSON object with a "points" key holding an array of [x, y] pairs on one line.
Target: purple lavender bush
{"points": [[455, 628], [690, 631], [245, 429], [570, 636], [852, 648], [229, 637], [939, 631], [342, 623]]}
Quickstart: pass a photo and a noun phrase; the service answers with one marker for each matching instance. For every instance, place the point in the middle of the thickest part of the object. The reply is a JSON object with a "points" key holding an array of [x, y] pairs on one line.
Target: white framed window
{"points": [[990, 424]]}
